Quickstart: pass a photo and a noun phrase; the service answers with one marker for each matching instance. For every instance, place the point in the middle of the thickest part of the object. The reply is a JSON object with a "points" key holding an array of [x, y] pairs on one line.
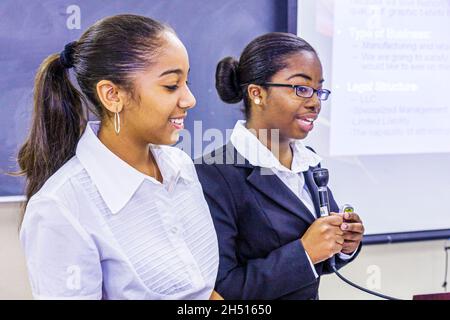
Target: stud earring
{"points": [[257, 101]]}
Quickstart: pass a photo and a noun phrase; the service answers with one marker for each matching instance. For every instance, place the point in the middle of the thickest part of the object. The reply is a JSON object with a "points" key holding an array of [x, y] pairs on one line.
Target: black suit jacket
{"points": [[259, 222]]}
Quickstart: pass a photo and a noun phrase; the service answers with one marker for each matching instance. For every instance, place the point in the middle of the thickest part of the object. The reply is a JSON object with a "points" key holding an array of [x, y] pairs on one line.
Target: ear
{"points": [[109, 95], [257, 94]]}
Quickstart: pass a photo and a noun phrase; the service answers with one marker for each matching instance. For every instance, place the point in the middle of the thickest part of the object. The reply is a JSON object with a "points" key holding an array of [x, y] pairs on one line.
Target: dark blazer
{"points": [[259, 222]]}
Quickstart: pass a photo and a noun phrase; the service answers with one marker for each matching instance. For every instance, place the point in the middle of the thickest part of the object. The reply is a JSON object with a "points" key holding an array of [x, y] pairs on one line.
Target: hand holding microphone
{"points": [[324, 238], [353, 231], [350, 227]]}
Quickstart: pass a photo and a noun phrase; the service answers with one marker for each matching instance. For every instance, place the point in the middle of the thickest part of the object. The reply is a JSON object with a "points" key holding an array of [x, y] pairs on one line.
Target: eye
{"points": [[172, 88], [302, 89]]}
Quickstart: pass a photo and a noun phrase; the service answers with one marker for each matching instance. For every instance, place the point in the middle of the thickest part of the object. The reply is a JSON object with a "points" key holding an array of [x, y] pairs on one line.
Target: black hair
{"points": [[113, 49], [261, 59]]}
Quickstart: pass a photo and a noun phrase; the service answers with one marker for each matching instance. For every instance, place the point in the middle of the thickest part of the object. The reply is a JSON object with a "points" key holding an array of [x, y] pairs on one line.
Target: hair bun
{"points": [[227, 80]]}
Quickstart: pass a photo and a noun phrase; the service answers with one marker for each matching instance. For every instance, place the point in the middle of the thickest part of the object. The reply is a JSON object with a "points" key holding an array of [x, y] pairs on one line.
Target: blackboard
{"points": [[210, 29]]}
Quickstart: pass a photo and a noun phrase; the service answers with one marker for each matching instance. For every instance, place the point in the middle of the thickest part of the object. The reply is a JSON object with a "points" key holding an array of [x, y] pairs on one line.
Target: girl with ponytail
{"points": [[112, 211]]}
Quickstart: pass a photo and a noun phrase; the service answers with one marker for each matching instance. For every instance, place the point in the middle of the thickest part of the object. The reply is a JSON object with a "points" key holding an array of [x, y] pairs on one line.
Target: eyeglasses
{"points": [[303, 91]]}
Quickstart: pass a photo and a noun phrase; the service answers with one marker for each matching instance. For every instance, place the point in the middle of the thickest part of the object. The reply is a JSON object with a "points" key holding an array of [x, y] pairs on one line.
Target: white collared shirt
{"points": [[258, 155], [100, 229]]}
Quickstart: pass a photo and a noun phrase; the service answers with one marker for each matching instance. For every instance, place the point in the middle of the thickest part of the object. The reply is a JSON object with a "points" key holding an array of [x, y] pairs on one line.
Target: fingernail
{"points": [[344, 226], [347, 216]]}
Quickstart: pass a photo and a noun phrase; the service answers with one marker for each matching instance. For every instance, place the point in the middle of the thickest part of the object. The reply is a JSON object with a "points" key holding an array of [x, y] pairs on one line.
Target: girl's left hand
{"points": [[353, 232]]}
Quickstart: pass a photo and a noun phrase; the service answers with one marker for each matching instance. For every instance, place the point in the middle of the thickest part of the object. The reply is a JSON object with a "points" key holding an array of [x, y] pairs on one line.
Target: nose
{"points": [[187, 100], [314, 104]]}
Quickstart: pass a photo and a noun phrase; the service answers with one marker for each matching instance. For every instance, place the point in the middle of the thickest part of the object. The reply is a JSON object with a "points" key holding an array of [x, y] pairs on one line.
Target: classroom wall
{"points": [[399, 270], [13, 276]]}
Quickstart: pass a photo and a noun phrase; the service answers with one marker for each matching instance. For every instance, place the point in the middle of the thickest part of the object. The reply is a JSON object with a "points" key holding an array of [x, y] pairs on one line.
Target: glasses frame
{"points": [[296, 86]]}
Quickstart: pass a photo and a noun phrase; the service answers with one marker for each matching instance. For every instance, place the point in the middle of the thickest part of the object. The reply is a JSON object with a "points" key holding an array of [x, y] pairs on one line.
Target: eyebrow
{"points": [[302, 75], [176, 71]]}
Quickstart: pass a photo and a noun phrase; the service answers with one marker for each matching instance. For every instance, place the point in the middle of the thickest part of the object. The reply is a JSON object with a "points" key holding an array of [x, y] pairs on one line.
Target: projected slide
{"points": [[391, 77], [384, 134]]}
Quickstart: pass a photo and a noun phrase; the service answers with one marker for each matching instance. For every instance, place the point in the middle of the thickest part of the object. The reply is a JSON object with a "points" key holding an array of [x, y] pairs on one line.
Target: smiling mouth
{"points": [[307, 121], [178, 123]]}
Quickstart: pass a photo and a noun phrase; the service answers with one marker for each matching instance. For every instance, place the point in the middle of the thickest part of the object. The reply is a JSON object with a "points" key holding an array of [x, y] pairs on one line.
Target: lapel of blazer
{"points": [[275, 189], [271, 186]]}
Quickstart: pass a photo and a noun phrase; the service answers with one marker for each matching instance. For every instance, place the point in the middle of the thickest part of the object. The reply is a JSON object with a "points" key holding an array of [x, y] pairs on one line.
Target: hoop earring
{"points": [[117, 121]]}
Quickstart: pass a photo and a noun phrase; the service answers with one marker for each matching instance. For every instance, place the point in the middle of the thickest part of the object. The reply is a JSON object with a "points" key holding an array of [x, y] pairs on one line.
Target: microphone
{"points": [[321, 177]]}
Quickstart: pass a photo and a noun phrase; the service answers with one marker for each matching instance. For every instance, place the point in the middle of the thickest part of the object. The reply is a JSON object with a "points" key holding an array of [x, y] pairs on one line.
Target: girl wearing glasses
{"points": [[259, 186], [113, 212]]}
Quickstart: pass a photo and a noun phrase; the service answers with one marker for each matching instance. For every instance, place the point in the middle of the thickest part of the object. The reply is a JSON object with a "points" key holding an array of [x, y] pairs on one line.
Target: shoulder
{"points": [[59, 185], [48, 217], [222, 167], [58, 199], [210, 163], [222, 157]]}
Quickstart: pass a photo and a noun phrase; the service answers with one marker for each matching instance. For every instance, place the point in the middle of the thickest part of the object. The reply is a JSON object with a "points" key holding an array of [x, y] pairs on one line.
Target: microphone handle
{"points": [[324, 204]]}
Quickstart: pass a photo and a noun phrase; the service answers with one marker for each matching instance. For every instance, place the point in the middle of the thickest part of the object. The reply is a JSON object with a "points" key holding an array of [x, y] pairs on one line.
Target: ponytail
{"points": [[57, 124], [102, 53]]}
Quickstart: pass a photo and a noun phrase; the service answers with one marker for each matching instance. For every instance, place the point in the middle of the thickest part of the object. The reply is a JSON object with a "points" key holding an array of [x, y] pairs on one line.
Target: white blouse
{"points": [[99, 229]]}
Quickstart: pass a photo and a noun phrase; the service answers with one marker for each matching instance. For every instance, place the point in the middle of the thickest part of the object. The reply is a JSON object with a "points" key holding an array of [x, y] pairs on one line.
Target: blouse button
{"points": [[174, 230]]}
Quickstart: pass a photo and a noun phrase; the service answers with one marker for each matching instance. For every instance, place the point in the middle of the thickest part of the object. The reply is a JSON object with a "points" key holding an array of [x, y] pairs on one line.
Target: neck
{"points": [[271, 139], [134, 152]]}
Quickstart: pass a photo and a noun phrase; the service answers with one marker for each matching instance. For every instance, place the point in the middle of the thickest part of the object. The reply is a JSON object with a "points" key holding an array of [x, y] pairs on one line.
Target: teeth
{"points": [[177, 121]]}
